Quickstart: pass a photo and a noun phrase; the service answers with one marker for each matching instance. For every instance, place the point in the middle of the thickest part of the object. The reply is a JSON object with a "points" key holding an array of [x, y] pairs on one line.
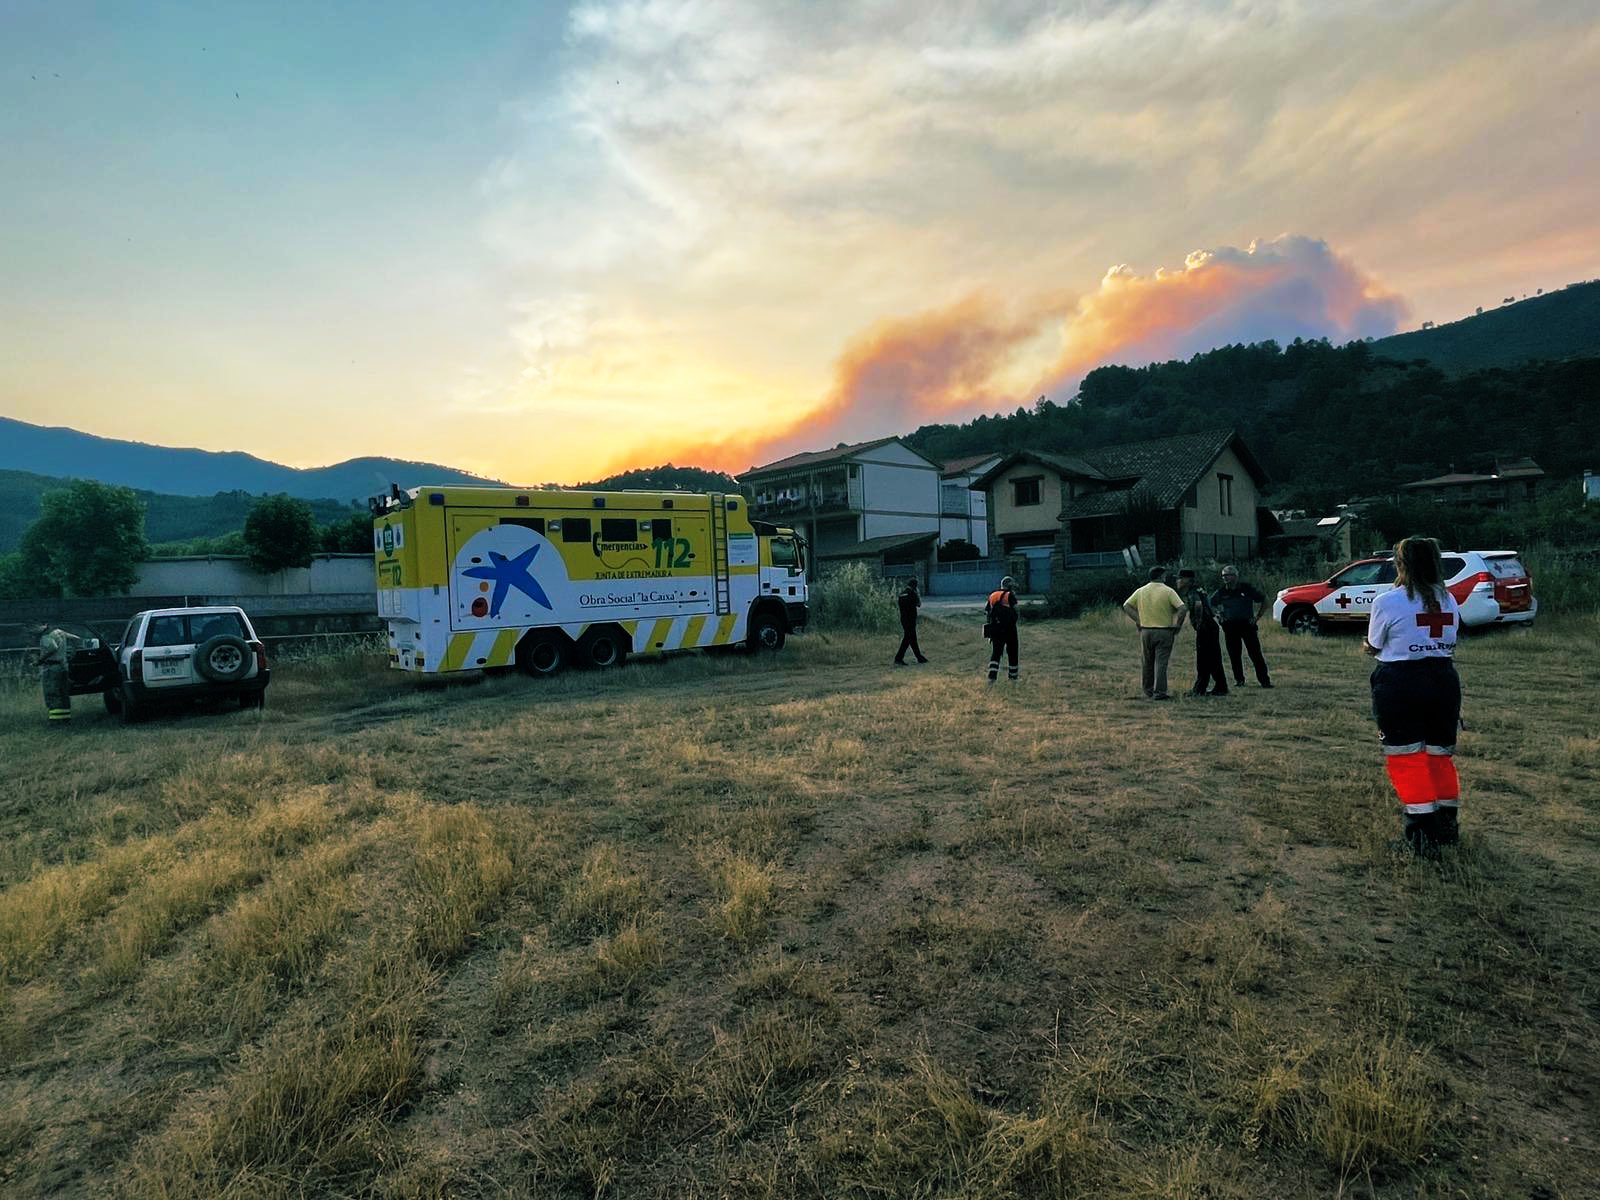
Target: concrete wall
{"points": [[880, 524], [898, 482], [219, 575], [1210, 533]]}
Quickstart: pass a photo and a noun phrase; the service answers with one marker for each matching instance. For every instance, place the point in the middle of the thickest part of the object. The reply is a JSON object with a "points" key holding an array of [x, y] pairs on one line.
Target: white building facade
{"points": [[851, 494]]}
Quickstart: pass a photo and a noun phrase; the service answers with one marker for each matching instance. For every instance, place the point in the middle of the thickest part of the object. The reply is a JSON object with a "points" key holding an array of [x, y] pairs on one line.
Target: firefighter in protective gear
{"points": [[1416, 694], [54, 647]]}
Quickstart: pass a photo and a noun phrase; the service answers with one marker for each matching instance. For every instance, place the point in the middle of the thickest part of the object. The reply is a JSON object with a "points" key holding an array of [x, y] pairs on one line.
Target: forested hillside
{"points": [[1325, 421], [167, 518], [1564, 324], [665, 479]]}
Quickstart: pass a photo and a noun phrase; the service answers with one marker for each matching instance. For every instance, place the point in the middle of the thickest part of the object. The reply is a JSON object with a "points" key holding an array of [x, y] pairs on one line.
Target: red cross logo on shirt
{"points": [[1435, 622], [1343, 601]]}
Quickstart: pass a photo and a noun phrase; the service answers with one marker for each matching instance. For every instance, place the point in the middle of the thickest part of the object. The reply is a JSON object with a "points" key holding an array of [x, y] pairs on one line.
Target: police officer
{"points": [[54, 647], [910, 601], [1239, 607]]}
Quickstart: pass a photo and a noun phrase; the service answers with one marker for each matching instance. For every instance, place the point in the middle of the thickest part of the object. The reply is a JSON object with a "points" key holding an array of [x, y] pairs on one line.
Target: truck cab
{"points": [[783, 572]]}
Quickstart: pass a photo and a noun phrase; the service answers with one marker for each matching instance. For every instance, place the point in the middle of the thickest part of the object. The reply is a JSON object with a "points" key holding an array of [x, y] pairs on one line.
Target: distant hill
{"points": [[66, 453], [1564, 324], [167, 518]]}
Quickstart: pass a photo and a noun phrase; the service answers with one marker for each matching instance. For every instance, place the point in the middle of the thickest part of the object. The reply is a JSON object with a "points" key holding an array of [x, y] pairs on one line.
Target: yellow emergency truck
{"points": [[471, 578]]}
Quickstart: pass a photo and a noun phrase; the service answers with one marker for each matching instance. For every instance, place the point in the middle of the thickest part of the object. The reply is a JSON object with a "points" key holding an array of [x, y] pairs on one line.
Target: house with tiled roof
{"points": [[1196, 494], [837, 499], [1510, 483]]}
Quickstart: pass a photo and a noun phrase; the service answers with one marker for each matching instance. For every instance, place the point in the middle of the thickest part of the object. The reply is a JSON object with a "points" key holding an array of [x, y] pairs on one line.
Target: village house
{"points": [[838, 499], [963, 512], [1513, 482], [1197, 496]]}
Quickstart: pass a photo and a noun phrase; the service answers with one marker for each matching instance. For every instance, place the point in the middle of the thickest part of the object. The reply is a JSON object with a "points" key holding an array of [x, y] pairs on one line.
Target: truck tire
{"points": [[542, 654], [766, 632], [222, 659], [602, 647]]}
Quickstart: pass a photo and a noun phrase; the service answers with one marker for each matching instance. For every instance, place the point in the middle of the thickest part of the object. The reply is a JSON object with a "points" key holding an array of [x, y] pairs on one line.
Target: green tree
{"points": [[353, 535], [88, 540], [279, 532]]}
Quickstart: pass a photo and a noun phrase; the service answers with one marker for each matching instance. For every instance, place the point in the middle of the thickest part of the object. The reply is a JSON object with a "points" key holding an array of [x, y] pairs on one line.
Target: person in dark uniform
{"points": [[1416, 694], [1207, 638], [1001, 628], [1238, 607], [910, 601], [54, 647]]}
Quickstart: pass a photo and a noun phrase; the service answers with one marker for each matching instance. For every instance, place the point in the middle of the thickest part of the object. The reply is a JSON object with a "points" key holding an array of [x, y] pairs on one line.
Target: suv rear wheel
{"points": [[222, 659], [128, 707]]}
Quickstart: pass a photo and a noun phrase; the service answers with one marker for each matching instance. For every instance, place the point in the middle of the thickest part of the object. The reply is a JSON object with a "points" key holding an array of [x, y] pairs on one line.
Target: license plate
{"points": [[168, 668]]}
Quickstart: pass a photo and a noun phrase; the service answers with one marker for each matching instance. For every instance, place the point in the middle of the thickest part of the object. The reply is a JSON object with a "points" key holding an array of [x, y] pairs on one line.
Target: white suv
{"points": [[1491, 586], [170, 654]]}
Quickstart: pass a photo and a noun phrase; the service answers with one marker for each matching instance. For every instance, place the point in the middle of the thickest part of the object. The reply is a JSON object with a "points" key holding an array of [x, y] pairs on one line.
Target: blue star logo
{"points": [[509, 573]]}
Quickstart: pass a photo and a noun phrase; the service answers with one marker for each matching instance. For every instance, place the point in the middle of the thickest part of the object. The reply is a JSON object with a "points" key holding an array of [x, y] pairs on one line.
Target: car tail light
{"points": [[136, 666], [1483, 582], [261, 655]]}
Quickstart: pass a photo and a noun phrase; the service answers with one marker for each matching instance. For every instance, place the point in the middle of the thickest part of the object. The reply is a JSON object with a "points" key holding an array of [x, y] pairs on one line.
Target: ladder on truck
{"points": [[719, 553]]}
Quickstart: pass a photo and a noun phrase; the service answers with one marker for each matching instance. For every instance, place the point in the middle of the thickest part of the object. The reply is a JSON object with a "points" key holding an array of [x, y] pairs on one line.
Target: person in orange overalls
{"points": [[1001, 628]]}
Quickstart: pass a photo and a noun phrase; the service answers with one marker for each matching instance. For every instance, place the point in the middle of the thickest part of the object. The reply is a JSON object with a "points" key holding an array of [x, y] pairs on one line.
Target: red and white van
{"points": [[1491, 586]]}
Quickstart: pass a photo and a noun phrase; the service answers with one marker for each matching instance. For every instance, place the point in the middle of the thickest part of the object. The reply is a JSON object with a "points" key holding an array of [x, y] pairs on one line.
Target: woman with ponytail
{"points": [[1416, 695]]}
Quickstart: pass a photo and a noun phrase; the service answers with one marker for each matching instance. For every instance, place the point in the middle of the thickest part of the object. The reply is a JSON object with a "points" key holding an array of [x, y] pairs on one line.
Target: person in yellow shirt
{"points": [[1158, 612]]}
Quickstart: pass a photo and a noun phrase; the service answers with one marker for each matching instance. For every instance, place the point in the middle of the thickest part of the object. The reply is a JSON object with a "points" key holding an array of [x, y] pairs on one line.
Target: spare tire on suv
{"points": [[223, 658]]}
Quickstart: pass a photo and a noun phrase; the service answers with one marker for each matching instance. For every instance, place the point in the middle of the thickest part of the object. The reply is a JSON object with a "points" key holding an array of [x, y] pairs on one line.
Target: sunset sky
{"points": [[544, 242]]}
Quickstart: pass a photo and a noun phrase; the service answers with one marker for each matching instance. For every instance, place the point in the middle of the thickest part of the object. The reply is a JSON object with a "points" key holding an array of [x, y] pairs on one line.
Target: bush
{"points": [[1075, 592], [1564, 581], [852, 597]]}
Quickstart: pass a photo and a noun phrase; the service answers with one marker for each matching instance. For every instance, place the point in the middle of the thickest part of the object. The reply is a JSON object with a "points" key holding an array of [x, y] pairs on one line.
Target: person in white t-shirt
{"points": [[1416, 694]]}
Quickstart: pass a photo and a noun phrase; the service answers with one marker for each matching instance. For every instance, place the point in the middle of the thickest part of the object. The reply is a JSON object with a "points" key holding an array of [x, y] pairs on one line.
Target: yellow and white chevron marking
{"points": [[474, 650]]}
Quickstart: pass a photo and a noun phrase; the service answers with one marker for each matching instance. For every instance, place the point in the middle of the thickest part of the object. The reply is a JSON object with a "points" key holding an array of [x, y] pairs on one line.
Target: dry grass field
{"points": [[805, 926]]}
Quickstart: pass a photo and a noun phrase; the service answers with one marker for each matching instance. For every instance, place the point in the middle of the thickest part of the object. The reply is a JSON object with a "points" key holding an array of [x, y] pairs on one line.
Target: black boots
{"points": [[1417, 829], [1424, 833]]}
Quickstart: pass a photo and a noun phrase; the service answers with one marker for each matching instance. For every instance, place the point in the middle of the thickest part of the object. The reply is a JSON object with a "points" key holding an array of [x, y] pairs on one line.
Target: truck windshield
{"points": [[784, 553]]}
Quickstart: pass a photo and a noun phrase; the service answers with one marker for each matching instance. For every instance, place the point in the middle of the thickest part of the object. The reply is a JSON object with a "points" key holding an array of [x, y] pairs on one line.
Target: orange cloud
{"points": [[955, 362]]}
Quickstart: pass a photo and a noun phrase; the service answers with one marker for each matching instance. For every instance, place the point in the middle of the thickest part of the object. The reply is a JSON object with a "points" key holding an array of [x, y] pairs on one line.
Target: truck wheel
{"points": [[542, 654], [603, 647], [1302, 620], [766, 632]]}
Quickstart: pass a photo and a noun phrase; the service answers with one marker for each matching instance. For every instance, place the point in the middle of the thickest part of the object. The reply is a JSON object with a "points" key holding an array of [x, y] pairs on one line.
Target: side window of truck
{"points": [[575, 529], [619, 529], [661, 529], [534, 523]]}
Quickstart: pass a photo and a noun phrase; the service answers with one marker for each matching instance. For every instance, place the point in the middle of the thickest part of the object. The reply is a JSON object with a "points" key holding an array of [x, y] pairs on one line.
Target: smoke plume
{"points": [[977, 355]]}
